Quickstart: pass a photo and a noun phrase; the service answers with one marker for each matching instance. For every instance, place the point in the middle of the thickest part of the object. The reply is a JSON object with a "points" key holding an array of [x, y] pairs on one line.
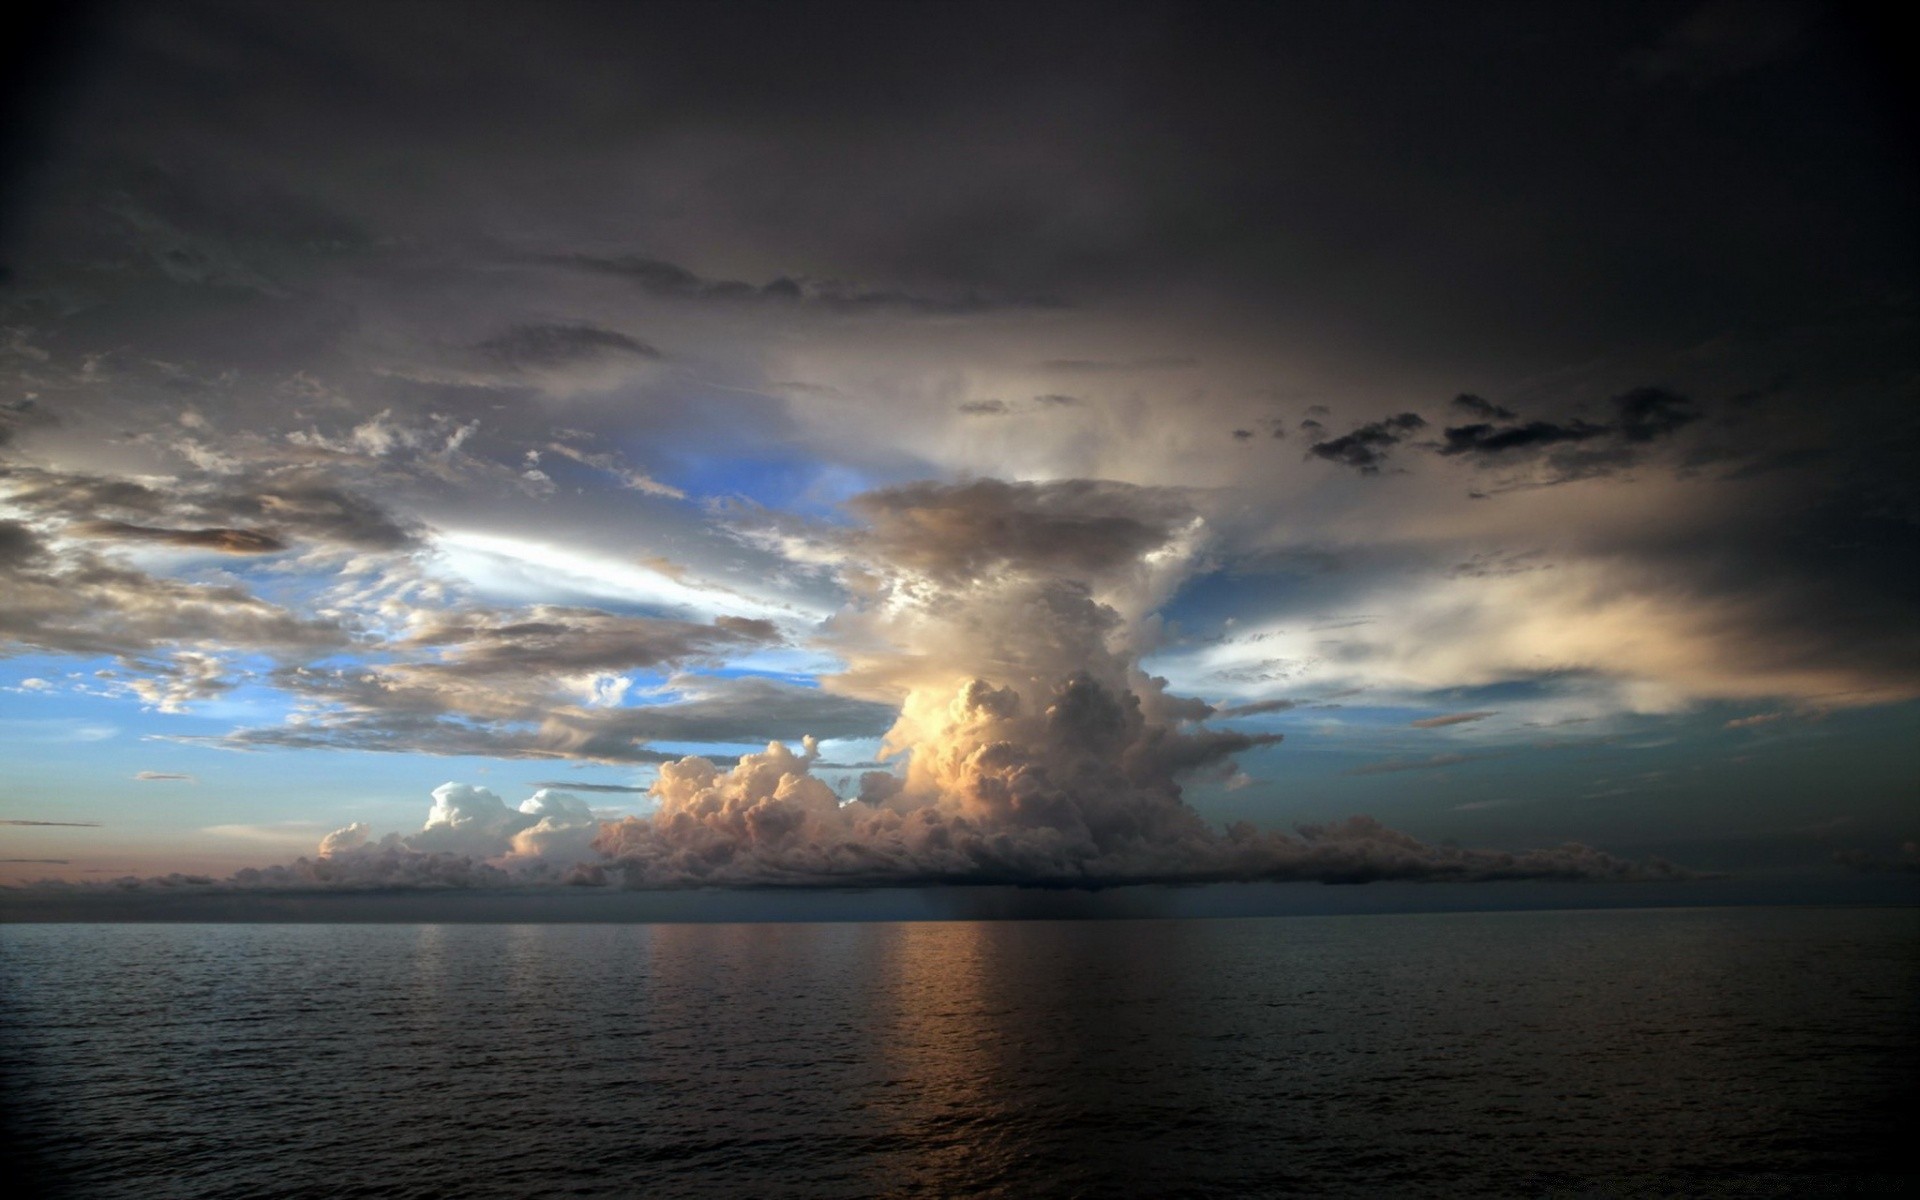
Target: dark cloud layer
{"points": [[423, 710], [673, 282], [542, 347], [1366, 448], [227, 541], [1641, 416]]}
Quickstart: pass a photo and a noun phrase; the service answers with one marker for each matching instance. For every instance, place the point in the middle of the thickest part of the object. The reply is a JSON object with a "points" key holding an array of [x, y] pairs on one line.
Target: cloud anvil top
{"points": [[1264, 444]]}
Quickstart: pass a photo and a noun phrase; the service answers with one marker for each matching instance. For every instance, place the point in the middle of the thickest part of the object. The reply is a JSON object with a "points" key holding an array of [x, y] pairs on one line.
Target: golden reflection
{"points": [[942, 1045]]}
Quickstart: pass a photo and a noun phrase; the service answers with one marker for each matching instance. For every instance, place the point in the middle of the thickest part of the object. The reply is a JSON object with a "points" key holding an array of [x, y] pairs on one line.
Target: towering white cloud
{"points": [[1006, 621]]}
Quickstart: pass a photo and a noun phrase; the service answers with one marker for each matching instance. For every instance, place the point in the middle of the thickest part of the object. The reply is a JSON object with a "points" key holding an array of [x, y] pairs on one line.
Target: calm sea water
{"points": [[1757, 1051]]}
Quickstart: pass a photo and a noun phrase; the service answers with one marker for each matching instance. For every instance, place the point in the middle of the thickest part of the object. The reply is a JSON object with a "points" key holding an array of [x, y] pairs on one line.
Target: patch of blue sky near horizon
{"points": [[239, 808], [216, 809]]}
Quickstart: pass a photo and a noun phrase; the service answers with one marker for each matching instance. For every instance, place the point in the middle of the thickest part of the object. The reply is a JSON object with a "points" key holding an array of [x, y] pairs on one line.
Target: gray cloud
{"points": [[1120, 366], [78, 603], [1257, 708], [552, 640], [1072, 527], [1395, 765], [1482, 408], [1906, 862], [227, 541], [1641, 416], [1368, 446], [546, 347], [401, 710], [1459, 718], [252, 512], [61, 824], [669, 281]]}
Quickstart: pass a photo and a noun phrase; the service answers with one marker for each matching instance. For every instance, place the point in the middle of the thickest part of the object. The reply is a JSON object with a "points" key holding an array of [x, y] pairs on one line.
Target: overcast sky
{"points": [[1095, 425]]}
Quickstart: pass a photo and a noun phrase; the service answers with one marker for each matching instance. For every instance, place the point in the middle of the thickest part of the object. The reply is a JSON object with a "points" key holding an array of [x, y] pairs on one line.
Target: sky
{"points": [[815, 445]]}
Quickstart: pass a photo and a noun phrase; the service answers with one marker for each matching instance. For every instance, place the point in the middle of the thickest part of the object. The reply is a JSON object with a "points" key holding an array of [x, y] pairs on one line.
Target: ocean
{"points": [[1737, 1051]]}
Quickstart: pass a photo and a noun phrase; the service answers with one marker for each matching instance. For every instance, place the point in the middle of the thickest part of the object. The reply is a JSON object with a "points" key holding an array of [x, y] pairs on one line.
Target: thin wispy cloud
{"points": [[1441, 722], [59, 824]]}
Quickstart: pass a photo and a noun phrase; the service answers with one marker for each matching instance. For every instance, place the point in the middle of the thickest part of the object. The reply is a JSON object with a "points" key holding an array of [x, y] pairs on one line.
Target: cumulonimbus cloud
{"points": [[1003, 623]]}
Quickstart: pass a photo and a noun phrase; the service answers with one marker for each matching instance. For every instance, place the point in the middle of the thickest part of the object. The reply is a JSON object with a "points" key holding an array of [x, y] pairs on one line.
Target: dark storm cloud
{"points": [[985, 408], [227, 541], [1368, 446], [1168, 155], [1488, 440], [1642, 415], [1480, 407], [669, 281], [1827, 583], [1572, 449], [1649, 413], [543, 347]]}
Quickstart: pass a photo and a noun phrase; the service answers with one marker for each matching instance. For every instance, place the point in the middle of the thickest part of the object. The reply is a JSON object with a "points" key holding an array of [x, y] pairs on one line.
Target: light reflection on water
{"points": [[1500, 1053]]}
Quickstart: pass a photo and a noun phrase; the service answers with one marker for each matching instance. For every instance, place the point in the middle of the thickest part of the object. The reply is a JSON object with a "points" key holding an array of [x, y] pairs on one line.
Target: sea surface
{"points": [[1641, 1052]]}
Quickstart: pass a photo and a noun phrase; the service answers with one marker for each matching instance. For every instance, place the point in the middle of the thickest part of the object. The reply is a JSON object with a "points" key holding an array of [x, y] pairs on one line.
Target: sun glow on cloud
{"points": [[1620, 647]]}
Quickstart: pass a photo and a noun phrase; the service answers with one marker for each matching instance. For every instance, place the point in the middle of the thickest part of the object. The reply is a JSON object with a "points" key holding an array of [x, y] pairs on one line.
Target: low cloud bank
{"points": [[768, 822]]}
